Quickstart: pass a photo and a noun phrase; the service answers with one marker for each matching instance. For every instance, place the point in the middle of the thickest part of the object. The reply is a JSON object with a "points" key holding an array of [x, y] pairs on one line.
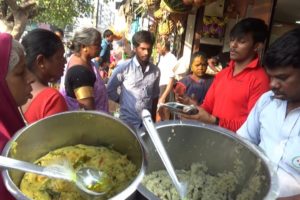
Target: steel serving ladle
{"points": [[181, 187], [89, 180]]}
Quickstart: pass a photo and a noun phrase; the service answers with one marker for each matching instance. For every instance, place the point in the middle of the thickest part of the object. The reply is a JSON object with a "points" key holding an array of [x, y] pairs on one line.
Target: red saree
{"points": [[10, 118]]}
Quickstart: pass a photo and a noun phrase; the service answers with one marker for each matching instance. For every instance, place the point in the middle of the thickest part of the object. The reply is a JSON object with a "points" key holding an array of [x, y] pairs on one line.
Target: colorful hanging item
{"points": [[166, 27], [197, 3], [175, 6], [158, 14], [213, 27], [152, 3]]}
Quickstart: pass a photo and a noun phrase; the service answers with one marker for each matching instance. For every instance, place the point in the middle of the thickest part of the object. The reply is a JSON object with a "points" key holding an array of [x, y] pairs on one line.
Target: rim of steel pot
{"points": [[273, 190], [131, 189]]}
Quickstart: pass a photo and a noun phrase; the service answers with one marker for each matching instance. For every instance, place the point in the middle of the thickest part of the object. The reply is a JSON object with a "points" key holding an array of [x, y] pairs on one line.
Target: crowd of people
{"points": [[256, 99]]}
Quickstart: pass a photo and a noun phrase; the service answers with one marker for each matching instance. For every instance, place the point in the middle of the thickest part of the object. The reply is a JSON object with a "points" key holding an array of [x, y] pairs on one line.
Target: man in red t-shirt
{"points": [[235, 89]]}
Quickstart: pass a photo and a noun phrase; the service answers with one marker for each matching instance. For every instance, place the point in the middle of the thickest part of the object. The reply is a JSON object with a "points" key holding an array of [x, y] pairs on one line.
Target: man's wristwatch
{"points": [[217, 121]]}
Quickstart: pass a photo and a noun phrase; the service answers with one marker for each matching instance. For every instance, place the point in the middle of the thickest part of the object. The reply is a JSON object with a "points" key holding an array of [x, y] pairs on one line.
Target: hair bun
{"points": [[70, 45]]}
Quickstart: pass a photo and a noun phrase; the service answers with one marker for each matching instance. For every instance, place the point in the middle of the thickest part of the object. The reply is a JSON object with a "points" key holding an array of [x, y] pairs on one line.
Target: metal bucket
{"points": [[71, 128], [188, 142]]}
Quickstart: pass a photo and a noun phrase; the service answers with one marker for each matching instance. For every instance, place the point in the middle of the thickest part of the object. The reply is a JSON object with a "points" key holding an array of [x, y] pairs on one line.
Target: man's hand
{"points": [[161, 100], [201, 116], [161, 112], [186, 100], [112, 65]]}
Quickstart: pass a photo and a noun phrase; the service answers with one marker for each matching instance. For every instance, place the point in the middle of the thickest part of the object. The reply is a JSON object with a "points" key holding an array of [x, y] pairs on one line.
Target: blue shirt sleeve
{"points": [[156, 87], [104, 46], [250, 130], [114, 82]]}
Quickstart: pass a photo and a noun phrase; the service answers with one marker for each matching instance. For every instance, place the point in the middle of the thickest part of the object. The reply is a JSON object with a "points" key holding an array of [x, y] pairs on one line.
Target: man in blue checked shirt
{"points": [[138, 80]]}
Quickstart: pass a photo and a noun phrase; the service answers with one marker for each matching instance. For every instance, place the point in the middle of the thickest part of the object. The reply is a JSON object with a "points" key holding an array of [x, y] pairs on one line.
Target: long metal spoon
{"points": [[89, 180], [181, 187]]}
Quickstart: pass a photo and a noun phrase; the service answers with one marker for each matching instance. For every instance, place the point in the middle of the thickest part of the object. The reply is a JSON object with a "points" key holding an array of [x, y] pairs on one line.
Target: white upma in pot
{"points": [[202, 185]]}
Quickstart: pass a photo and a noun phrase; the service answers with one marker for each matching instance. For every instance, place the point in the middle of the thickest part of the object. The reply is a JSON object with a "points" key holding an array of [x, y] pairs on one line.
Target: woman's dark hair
{"points": [[285, 51], [84, 37], [257, 27], [143, 37], [59, 30], [40, 41]]}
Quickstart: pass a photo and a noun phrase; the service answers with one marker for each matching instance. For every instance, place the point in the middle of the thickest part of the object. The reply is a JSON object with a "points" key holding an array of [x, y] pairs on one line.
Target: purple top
{"points": [[100, 92]]}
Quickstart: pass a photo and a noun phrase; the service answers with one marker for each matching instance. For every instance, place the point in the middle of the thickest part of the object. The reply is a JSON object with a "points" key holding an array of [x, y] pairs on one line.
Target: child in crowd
{"points": [[213, 66], [192, 88]]}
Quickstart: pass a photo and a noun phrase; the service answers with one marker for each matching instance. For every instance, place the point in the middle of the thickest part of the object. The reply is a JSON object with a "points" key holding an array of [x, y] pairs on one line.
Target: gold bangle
{"points": [[84, 92]]}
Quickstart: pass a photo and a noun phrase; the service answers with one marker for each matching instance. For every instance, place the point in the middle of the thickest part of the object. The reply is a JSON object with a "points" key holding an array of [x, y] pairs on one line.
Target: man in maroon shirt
{"points": [[235, 89]]}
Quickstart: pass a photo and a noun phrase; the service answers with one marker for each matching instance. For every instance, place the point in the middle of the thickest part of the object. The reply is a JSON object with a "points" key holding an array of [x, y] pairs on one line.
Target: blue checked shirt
{"points": [[137, 90]]}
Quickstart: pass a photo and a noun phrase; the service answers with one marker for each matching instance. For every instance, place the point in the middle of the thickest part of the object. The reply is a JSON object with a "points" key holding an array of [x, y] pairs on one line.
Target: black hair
{"points": [[84, 37], [257, 27], [59, 30], [40, 41], [165, 43], [224, 58], [197, 54], [143, 37], [168, 45], [107, 33], [285, 51]]}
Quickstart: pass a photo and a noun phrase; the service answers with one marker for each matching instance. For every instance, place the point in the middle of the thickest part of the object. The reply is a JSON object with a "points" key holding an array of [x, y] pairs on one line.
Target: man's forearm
{"points": [[167, 90], [112, 90]]}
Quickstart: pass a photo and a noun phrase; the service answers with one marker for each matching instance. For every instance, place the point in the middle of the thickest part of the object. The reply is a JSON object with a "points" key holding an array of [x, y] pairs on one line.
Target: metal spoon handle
{"points": [[53, 172], [161, 151]]}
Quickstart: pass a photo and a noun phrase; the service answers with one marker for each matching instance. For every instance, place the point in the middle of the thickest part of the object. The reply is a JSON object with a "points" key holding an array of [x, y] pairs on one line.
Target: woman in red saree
{"points": [[15, 90]]}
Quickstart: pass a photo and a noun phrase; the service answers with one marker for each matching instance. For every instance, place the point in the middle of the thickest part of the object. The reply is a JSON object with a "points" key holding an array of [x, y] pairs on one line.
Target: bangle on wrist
{"points": [[217, 121]]}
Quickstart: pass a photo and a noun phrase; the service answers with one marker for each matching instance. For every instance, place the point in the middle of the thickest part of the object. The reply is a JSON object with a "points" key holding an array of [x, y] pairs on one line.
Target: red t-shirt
{"points": [[231, 98], [46, 103]]}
